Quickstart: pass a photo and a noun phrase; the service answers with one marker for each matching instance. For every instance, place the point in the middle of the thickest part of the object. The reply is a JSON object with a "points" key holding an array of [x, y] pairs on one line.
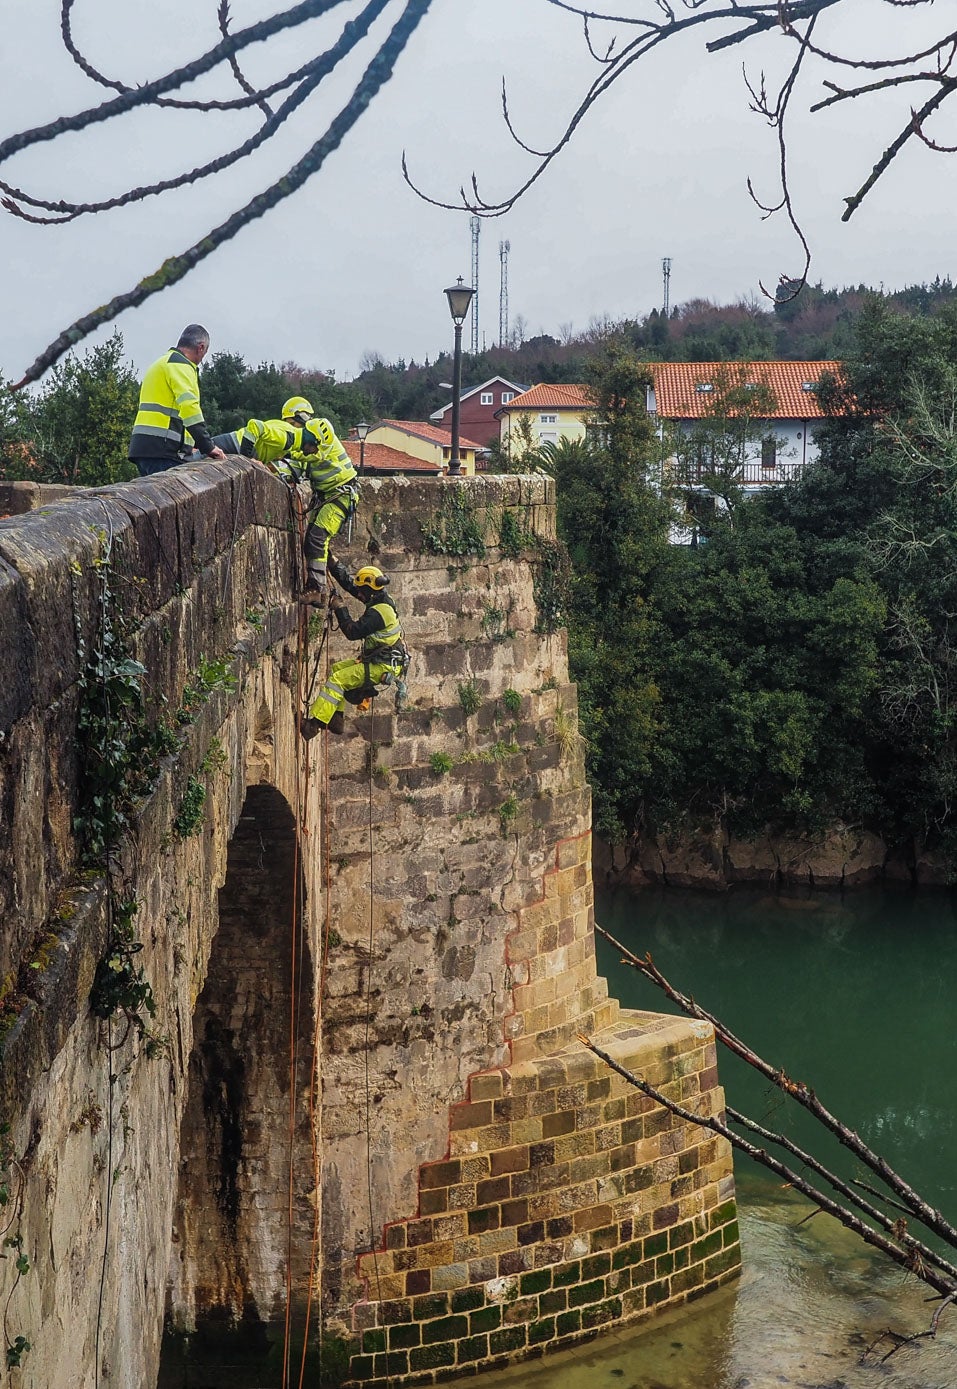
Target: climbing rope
{"points": [[308, 666], [317, 1032], [301, 829], [371, 948]]}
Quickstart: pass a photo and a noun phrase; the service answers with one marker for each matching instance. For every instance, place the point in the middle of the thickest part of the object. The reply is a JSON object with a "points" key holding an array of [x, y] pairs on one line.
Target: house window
{"points": [[769, 453], [704, 387], [548, 419], [507, 396], [486, 398]]}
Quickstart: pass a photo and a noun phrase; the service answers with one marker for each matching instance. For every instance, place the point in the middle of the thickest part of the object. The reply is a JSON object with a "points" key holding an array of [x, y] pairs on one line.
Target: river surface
{"points": [[854, 994]]}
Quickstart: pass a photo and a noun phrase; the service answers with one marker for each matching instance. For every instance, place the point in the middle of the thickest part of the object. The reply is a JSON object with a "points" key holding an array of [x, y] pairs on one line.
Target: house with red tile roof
{"points": [[380, 458], [553, 413], [479, 405], [684, 394], [418, 440]]}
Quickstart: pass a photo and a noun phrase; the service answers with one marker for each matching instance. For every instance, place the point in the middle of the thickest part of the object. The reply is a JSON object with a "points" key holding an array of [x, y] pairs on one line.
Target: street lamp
{"points": [[362, 430], [460, 297]]}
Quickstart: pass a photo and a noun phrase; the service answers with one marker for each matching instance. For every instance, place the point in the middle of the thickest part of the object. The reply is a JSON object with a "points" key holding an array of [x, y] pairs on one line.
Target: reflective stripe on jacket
{"points": [[377, 645], [169, 405], [328, 469]]}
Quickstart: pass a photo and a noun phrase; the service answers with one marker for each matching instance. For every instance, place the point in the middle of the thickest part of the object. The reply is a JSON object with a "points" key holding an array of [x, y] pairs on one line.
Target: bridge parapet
{"points": [[190, 574]]}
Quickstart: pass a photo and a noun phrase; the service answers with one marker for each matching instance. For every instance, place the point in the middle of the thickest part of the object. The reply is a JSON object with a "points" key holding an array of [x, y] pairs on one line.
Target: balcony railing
{"points": [[752, 472]]}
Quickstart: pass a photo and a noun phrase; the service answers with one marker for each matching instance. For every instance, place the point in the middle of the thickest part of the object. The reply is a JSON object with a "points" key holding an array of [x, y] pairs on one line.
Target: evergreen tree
{"points": [[78, 425]]}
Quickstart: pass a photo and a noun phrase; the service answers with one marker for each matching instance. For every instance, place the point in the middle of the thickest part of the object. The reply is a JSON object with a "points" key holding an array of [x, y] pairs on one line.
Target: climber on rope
{"points": [[328, 470], [382, 659], [307, 450]]}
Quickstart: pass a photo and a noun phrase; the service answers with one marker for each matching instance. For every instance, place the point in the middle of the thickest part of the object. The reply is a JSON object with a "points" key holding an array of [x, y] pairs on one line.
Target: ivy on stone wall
{"points": [[16, 1344], [513, 539], [454, 527], [552, 584], [119, 751], [120, 986], [119, 754]]}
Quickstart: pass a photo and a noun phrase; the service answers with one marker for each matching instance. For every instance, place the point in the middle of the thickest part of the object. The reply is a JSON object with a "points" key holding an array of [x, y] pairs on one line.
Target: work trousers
{"points": [[146, 467], [325, 523], [344, 677]]}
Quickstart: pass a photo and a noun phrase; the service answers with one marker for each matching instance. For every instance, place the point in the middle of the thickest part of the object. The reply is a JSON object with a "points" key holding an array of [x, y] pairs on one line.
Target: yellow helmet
{"points": [[322, 431], [297, 410], [370, 577]]}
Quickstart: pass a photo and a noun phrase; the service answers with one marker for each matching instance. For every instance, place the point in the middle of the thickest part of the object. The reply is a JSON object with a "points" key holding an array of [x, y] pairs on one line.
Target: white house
{"points": [[684, 393]]}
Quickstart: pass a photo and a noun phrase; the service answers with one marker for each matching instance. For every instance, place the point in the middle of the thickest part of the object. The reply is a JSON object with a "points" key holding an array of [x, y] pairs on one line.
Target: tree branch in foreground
{"points": [[376, 75]]}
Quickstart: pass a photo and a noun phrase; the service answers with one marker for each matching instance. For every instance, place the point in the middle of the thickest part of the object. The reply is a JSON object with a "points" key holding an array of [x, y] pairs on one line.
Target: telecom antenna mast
{"points": [[666, 277], [503, 249], [475, 224]]}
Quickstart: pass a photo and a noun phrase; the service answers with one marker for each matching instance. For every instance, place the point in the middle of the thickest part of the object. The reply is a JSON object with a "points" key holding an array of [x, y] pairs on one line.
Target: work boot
{"points": [[308, 727], [314, 593], [337, 724]]}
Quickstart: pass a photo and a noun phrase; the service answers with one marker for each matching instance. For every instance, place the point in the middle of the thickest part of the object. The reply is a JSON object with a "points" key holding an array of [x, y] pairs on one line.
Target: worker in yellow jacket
{"points": [[311, 453], [265, 440], [382, 657], [328, 470], [169, 408], [269, 440]]}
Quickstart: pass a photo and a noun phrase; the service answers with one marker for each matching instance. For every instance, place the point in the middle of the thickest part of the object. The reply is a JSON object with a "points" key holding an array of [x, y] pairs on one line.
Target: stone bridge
{"points": [[359, 1101]]}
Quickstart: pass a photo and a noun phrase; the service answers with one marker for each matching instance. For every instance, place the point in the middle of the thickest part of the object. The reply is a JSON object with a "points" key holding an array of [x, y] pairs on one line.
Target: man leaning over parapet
{"points": [[169, 407]]}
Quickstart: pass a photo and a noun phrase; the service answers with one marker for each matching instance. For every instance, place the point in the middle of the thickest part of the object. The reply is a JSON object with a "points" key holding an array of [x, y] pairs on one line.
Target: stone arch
{"points": [[242, 1227]]}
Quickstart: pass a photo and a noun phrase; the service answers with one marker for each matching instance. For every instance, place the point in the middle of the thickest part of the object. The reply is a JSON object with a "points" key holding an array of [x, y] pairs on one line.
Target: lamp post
{"points": [[362, 430], [460, 297]]}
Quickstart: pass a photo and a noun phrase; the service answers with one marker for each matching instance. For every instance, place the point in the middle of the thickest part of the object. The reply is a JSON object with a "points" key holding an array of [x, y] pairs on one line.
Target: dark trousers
{"points": [[148, 466]]}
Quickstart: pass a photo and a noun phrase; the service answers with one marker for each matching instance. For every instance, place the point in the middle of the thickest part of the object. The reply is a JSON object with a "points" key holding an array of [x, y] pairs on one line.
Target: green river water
{"points": [[854, 994]]}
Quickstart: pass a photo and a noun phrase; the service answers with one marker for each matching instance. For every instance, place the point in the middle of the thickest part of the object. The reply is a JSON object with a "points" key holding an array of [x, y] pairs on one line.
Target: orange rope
{"points": [[301, 793]]}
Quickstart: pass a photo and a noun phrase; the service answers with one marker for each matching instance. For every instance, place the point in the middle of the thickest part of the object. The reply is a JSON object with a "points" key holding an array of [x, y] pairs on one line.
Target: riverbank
{"points": [[710, 857]]}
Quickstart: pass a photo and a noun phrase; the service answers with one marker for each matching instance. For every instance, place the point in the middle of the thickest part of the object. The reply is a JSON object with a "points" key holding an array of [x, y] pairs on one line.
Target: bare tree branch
{"points": [[902, 1256], [918, 1208], [795, 21], [377, 73], [313, 73], [261, 102]]}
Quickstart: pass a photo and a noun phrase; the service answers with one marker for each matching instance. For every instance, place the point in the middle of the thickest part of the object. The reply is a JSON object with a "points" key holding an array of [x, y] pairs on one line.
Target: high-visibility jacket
{"points": [[268, 440], [325, 471], [378, 628], [376, 644], [169, 406]]}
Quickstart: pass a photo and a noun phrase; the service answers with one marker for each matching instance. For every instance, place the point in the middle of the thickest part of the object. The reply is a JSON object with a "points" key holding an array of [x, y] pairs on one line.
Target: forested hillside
{"points": [[816, 324]]}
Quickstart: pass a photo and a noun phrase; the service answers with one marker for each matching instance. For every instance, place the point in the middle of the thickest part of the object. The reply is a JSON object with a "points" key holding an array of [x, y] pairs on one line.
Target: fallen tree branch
{"points": [[904, 1257], [917, 1207]]}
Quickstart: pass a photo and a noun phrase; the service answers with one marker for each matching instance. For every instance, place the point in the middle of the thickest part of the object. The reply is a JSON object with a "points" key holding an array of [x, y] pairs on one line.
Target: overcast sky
{"points": [[355, 263]]}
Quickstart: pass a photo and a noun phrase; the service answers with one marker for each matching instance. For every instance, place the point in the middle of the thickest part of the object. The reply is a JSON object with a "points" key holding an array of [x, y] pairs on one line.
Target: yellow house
{"points": [[553, 413], [422, 440]]}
